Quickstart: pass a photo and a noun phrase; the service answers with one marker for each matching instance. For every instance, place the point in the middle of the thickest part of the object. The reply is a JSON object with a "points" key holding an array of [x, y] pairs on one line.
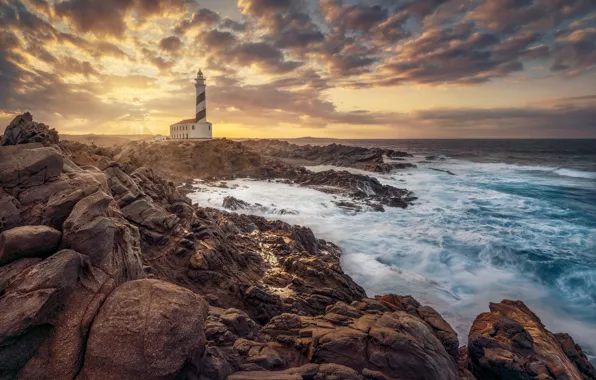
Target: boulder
{"points": [[97, 229], [48, 308], [23, 130], [146, 329], [510, 342], [22, 167], [28, 241]]}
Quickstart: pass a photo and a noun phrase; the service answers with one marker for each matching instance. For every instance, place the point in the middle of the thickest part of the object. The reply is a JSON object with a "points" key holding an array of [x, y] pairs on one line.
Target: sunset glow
{"points": [[291, 68]]}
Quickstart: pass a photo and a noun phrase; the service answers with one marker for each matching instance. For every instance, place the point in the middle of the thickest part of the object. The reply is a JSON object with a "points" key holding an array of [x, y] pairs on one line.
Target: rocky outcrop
{"points": [[97, 228], [510, 342], [76, 243], [23, 130], [179, 160], [146, 329], [367, 336], [369, 159]]}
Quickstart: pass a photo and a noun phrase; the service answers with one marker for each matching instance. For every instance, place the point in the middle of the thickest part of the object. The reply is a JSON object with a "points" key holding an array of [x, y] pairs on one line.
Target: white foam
{"points": [[412, 251], [575, 173]]}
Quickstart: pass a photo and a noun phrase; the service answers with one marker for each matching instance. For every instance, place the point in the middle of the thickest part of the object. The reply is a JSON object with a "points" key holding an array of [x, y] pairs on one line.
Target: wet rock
{"points": [[443, 171], [146, 329], [234, 204], [23, 130], [28, 241], [510, 342]]}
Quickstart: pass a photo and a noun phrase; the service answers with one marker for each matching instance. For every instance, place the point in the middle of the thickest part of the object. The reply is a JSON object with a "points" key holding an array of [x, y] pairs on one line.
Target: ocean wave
{"points": [[574, 173], [493, 231]]}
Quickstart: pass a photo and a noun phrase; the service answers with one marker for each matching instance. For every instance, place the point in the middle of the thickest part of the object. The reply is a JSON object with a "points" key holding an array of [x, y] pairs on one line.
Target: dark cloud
{"points": [[200, 19], [170, 44], [262, 55], [108, 17]]}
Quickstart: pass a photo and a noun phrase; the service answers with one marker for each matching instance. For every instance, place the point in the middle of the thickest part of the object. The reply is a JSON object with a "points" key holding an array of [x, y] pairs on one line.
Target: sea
{"points": [[494, 219]]}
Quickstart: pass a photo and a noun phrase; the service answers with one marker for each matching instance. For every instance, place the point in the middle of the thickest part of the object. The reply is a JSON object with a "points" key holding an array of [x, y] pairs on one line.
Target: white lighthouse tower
{"points": [[197, 128]]}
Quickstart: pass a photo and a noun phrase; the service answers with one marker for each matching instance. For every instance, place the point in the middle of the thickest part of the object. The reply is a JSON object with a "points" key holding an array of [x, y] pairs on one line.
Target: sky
{"points": [[295, 68]]}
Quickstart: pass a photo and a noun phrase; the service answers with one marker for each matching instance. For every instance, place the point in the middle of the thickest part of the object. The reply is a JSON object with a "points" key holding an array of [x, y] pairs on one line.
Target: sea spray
{"points": [[489, 232]]}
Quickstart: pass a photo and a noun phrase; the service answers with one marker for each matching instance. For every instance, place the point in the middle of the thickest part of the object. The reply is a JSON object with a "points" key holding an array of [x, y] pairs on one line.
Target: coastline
{"points": [[230, 296]]}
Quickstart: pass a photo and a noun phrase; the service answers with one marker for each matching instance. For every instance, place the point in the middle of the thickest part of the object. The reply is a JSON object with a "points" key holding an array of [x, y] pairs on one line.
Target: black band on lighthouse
{"points": [[201, 98], [201, 115]]}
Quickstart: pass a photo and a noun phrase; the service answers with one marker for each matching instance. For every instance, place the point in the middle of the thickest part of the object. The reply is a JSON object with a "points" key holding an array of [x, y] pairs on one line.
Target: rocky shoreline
{"points": [[108, 271]]}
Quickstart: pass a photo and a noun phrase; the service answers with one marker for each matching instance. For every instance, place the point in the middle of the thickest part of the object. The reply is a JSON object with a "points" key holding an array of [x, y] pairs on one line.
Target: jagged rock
{"points": [[47, 310], [146, 329], [575, 353], [397, 344], [510, 342], [234, 204], [265, 355], [441, 328], [97, 229], [24, 166], [28, 241], [23, 130]]}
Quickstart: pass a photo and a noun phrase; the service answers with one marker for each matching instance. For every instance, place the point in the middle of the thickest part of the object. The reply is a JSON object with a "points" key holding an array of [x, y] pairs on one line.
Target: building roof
{"points": [[187, 121]]}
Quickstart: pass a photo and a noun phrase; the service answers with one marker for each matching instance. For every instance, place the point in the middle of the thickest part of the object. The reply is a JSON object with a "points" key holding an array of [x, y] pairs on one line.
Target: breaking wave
{"points": [[489, 232]]}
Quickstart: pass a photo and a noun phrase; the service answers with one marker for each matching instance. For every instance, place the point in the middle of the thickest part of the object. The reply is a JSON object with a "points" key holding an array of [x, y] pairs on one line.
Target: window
{"points": [[193, 127], [209, 127]]}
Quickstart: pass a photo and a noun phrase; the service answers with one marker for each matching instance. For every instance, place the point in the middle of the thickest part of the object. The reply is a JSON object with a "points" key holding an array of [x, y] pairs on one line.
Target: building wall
{"points": [[190, 131]]}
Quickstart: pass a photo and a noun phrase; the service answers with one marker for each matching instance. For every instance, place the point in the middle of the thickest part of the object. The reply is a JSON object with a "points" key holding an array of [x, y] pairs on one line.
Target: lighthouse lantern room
{"points": [[197, 128]]}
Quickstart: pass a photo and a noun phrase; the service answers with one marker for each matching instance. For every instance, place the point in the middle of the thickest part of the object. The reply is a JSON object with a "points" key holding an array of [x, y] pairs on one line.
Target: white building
{"points": [[197, 128]]}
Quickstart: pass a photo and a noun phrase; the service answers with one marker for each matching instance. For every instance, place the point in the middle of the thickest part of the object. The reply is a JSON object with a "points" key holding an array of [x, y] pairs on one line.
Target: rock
{"points": [[146, 329], [97, 229], [510, 342], [10, 215], [395, 344], [48, 309], [22, 167], [23, 130], [575, 353], [28, 241], [369, 159], [234, 204]]}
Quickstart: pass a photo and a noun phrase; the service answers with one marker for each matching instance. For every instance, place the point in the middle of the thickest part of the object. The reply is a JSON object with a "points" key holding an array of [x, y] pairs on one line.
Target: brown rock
{"points": [[96, 228], [10, 215], [22, 167], [510, 342], [28, 241], [23, 130], [575, 353], [47, 310], [146, 329]]}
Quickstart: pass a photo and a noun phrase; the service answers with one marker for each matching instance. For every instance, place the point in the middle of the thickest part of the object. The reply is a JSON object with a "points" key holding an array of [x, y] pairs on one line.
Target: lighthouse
{"points": [[197, 128]]}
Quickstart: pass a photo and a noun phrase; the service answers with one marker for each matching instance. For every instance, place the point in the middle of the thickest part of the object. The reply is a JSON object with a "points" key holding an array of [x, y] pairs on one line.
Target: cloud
{"points": [[566, 118], [278, 60], [170, 44], [199, 19], [109, 17]]}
